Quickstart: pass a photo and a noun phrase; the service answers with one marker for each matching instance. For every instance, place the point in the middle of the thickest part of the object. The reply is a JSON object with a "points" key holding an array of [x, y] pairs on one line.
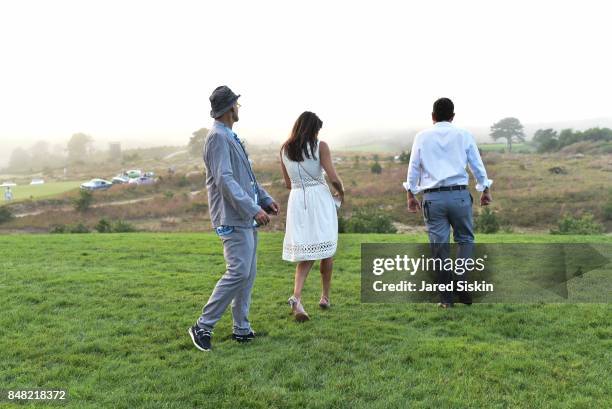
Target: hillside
{"points": [[531, 193]]}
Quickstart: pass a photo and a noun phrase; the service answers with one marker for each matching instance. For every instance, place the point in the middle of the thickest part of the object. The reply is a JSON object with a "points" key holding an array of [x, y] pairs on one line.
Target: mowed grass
{"points": [[23, 192], [105, 317]]}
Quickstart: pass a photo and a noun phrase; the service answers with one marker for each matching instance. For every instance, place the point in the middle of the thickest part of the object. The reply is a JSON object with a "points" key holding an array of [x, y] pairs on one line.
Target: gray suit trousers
{"points": [[443, 210], [240, 252]]}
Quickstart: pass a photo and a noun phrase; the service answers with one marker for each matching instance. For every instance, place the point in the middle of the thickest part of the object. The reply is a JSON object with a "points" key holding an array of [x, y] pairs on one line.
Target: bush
{"points": [[487, 222], [376, 168], [84, 201], [341, 224], [607, 211], [58, 229], [79, 228], [199, 207], [121, 226], [103, 226], [368, 222], [183, 181], [583, 225], [5, 214]]}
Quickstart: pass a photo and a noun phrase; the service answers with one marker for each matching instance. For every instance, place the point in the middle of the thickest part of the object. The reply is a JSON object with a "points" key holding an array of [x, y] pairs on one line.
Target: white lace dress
{"points": [[311, 231]]}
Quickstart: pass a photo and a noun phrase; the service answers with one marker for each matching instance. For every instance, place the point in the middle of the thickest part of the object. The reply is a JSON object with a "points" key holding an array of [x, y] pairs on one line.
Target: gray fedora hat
{"points": [[221, 100]]}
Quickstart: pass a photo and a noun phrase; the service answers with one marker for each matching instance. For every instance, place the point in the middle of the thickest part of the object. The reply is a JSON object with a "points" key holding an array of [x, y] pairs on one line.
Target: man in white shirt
{"points": [[437, 167]]}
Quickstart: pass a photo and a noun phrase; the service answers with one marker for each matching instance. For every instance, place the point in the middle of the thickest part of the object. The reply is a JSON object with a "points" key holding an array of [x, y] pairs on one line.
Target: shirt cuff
{"points": [[266, 202], [482, 186], [414, 190]]}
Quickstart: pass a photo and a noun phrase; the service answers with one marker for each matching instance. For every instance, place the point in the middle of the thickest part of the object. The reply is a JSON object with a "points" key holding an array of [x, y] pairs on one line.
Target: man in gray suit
{"points": [[237, 205]]}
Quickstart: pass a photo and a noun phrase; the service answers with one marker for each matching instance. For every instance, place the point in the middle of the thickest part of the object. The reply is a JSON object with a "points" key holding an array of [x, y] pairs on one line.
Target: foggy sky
{"points": [[143, 70]]}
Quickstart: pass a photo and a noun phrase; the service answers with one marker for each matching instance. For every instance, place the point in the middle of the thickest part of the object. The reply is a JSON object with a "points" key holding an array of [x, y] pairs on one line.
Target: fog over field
{"points": [[141, 72]]}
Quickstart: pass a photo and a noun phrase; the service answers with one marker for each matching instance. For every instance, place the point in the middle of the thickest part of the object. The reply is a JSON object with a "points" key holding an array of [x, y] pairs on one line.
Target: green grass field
{"points": [[23, 192], [105, 317]]}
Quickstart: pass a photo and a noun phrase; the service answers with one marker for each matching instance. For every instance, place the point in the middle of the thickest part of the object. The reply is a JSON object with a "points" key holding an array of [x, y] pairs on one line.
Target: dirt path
{"points": [[69, 208]]}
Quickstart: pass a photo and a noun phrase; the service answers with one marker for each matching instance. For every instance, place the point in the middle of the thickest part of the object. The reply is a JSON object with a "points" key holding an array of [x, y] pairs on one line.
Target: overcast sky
{"points": [[143, 70]]}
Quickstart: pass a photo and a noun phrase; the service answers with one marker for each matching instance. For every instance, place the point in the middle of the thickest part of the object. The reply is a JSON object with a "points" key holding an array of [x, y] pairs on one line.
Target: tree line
{"points": [[41, 154], [549, 140]]}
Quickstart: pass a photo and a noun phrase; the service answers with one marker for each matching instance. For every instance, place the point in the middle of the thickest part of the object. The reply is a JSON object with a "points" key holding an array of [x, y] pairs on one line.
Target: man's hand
{"points": [[262, 218], [413, 204], [273, 209], [485, 197]]}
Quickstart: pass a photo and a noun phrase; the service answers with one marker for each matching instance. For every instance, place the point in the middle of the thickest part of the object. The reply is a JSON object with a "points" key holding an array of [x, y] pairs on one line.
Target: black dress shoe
{"points": [[244, 338]]}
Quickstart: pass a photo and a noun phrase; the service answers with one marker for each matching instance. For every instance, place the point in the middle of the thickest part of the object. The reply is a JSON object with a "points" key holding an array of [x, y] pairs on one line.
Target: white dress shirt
{"points": [[439, 157]]}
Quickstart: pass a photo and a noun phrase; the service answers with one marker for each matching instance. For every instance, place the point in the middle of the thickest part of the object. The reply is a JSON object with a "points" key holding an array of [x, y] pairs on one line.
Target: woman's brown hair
{"points": [[303, 135]]}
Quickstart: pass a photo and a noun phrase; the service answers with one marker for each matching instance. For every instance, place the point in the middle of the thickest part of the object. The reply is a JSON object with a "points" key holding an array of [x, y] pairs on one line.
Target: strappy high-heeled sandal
{"points": [[324, 302], [298, 310]]}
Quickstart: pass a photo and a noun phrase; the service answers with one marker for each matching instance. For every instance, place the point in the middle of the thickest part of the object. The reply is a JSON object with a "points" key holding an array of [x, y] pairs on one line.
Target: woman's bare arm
{"points": [[285, 174], [328, 166]]}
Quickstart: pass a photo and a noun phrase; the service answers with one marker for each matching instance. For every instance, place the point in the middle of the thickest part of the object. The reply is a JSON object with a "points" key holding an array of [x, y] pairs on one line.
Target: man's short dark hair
{"points": [[443, 109]]}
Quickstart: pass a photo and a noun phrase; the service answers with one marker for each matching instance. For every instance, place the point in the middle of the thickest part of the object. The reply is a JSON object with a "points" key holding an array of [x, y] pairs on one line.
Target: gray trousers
{"points": [[240, 252], [441, 211]]}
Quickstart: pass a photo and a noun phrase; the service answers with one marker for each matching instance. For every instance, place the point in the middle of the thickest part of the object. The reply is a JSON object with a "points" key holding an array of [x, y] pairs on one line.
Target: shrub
{"points": [[487, 222], [183, 181], [79, 228], [341, 224], [58, 229], [368, 222], [583, 225], [169, 194], [103, 226], [84, 201], [199, 207], [5, 214], [121, 226], [607, 211], [376, 168]]}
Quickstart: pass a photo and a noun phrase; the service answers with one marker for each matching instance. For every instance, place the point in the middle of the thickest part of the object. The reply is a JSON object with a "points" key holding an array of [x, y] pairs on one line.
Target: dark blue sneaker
{"points": [[200, 337], [244, 338]]}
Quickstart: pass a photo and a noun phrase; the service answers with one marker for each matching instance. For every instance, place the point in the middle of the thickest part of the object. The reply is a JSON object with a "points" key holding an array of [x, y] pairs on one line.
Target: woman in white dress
{"points": [[312, 223]]}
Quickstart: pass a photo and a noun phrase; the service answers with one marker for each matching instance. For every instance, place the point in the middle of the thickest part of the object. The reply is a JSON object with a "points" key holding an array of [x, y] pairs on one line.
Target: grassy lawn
{"points": [[23, 192], [105, 317]]}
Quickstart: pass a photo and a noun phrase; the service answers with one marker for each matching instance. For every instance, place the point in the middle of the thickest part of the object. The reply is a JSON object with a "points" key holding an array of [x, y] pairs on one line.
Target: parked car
{"points": [[144, 180], [37, 182], [119, 180], [96, 184], [134, 173]]}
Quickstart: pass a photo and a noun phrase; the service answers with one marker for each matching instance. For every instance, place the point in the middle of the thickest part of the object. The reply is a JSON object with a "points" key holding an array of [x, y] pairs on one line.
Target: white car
{"points": [[96, 184], [119, 180], [37, 182], [145, 180]]}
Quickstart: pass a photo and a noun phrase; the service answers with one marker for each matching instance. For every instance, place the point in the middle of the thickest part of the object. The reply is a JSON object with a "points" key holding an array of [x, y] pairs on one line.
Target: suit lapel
{"points": [[240, 150]]}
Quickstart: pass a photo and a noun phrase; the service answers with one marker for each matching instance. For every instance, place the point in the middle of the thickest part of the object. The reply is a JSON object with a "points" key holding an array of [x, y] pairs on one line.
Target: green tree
{"points": [[546, 140], [79, 146], [196, 142], [509, 129], [404, 157]]}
